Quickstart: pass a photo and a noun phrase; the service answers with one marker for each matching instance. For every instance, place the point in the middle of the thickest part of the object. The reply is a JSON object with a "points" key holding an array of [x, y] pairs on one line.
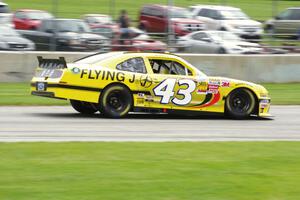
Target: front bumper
{"points": [[264, 107]]}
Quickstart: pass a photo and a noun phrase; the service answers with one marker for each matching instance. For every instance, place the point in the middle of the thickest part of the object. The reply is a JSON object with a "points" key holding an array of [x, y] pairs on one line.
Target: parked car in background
{"points": [[11, 40], [102, 24], [216, 42], [4, 8], [227, 18], [138, 41], [6, 19], [287, 22], [154, 18], [65, 35], [27, 19]]}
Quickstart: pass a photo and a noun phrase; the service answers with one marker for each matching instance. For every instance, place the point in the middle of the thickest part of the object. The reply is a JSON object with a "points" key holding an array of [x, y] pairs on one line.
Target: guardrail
{"points": [[20, 66]]}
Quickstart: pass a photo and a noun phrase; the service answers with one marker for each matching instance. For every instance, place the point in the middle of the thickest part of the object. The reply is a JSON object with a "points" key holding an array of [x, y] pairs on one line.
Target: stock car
{"points": [[117, 83]]}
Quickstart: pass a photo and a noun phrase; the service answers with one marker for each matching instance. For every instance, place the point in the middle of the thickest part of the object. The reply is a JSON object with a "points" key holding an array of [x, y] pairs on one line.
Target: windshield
{"points": [[222, 35], [102, 20], [39, 15], [72, 26], [233, 14], [7, 31], [180, 13]]}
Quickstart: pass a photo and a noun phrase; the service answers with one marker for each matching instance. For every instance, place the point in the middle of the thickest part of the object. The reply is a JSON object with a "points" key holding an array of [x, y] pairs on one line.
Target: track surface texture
{"points": [[62, 123]]}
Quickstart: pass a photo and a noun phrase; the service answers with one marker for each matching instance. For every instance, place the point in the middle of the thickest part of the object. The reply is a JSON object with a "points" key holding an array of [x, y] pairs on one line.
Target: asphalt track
{"points": [[55, 124]]}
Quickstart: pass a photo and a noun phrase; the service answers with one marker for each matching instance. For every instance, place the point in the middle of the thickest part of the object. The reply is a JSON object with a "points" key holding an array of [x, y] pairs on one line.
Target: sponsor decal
{"points": [[225, 83], [105, 75], [214, 82], [145, 81], [75, 70], [141, 94], [200, 91], [149, 98], [213, 88]]}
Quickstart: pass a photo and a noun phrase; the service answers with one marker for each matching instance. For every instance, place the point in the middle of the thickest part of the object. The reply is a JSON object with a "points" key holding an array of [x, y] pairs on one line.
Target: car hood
{"points": [[186, 21], [247, 22], [14, 39]]}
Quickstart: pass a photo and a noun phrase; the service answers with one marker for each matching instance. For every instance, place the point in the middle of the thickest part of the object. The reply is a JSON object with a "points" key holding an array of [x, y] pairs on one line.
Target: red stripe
{"points": [[212, 102]]}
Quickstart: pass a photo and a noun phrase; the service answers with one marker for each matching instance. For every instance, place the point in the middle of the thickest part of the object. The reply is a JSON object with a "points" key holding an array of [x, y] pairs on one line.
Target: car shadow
{"points": [[150, 116]]}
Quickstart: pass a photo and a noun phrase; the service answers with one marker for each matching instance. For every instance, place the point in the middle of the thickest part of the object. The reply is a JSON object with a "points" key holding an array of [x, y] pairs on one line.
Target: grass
{"points": [[284, 93], [19, 94], [150, 171], [257, 9]]}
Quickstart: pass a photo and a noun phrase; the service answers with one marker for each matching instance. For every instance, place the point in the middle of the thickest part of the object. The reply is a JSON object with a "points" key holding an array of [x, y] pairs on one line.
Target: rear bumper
{"points": [[65, 91]]}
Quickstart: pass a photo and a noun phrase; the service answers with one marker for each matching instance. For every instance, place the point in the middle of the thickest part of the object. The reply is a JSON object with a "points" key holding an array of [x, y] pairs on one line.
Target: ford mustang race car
{"points": [[117, 83]]}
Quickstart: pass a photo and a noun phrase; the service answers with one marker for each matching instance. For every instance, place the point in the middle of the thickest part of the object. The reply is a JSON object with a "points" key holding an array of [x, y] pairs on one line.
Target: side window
{"points": [[157, 13], [285, 15], [211, 14], [133, 65], [203, 12], [199, 36], [146, 11], [168, 67], [295, 15], [20, 15]]}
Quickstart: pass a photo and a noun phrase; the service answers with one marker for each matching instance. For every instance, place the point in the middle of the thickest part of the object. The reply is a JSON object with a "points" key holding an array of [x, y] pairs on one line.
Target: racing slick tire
{"points": [[240, 103], [84, 107], [116, 101]]}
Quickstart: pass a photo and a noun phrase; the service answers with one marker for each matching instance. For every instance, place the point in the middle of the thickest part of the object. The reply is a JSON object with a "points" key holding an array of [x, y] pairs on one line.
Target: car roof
{"points": [[162, 6], [30, 10], [63, 19], [215, 7], [294, 8], [3, 4], [95, 15]]}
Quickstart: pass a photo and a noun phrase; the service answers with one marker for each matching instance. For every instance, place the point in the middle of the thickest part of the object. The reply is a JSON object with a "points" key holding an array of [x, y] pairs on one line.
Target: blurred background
{"points": [[189, 26]]}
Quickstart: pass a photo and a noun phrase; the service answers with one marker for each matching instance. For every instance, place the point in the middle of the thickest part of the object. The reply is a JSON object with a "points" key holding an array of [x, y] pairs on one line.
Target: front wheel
{"points": [[84, 107], [116, 101], [240, 103]]}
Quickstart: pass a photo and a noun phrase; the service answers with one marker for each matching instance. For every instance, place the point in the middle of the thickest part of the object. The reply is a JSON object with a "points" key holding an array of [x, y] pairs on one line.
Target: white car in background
{"points": [[227, 18], [219, 42], [6, 19]]}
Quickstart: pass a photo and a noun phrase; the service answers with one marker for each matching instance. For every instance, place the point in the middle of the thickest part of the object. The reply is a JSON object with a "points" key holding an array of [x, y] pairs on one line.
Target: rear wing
{"points": [[47, 63]]}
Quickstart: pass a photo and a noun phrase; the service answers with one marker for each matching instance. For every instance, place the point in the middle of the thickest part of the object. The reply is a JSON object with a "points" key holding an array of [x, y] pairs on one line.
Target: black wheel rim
{"points": [[240, 102], [116, 101]]}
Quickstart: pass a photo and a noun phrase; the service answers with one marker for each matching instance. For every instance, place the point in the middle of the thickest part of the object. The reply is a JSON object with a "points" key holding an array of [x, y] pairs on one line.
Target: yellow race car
{"points": [[116, 83]]}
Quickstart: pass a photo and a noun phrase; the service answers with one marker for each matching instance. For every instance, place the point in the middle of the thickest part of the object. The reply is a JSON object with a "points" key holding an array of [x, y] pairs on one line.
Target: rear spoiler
{"points": [[46, 63]]}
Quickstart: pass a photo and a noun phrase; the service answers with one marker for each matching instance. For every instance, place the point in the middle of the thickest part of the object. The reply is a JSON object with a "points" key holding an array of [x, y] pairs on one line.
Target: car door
{"points": [[174, 85], [202, 43], [284, 22]]}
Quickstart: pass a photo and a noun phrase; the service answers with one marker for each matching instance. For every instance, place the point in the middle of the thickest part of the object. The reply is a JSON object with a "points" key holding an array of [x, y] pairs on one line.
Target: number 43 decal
{"points": [[166, 91]]}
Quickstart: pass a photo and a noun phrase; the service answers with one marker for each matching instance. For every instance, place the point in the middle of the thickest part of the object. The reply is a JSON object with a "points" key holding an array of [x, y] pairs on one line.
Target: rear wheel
{"points": [[240, 103], [116, 101], [84, 107]]}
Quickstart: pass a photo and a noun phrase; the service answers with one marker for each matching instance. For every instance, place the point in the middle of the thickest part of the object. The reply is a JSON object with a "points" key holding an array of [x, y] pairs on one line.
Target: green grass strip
{"points": [[150, 171]]}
